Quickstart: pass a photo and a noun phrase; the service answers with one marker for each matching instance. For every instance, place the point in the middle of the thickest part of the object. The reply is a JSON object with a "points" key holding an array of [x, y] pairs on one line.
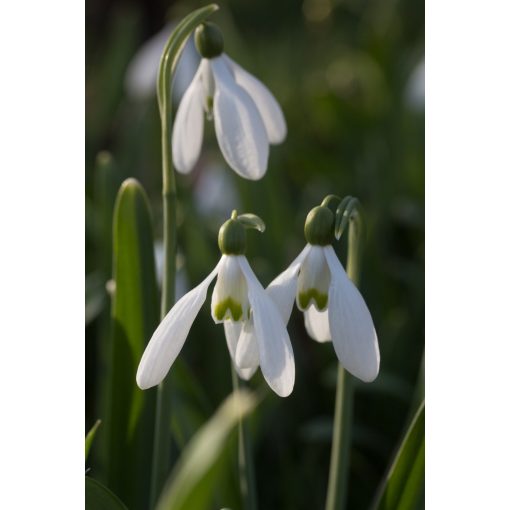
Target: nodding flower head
{"points": [[247, 118], [332, 305], [255, 331]]}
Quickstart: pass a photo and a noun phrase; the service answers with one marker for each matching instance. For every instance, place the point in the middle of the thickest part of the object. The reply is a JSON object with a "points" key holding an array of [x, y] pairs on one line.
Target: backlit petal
{"points": [[247, 352], [275, 350], [188, 127], [313, 281], [232, 333], [283, 288], [352, 328], [239, 128], [317, 324], [230, 294], [269, 109], [169, 337]]}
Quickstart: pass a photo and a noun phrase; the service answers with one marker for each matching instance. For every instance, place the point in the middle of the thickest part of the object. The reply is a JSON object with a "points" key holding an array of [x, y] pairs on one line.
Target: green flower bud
{"points": [[319, 226], [232, 237], [209, 40]]}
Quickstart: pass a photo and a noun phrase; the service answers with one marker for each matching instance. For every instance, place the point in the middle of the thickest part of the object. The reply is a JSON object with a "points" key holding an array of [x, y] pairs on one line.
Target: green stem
{"points": [[340, 448], [168, 64], [245, 458]]}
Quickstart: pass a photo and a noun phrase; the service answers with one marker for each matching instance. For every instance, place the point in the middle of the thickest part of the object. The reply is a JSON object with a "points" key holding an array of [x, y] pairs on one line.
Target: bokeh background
{"points": [[349, 75]]}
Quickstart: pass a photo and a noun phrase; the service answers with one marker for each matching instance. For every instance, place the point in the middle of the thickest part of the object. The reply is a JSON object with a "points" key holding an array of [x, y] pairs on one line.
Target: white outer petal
{"points": [[352, 328], [267, 105], [317, 324], [232, 333], [169, 337], [283, 288], [188, 127], [239, 128], [247, 352], [275, 350]]}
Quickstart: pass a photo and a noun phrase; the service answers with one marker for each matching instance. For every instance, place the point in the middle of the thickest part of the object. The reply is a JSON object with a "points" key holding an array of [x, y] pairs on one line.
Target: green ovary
{"points": [[305, 299], [221, 309]]}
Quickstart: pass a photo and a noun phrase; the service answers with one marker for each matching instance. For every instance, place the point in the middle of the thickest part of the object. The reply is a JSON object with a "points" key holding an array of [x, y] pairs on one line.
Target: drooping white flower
{"points": [[333, 308], [247, 118], [239, 302]]}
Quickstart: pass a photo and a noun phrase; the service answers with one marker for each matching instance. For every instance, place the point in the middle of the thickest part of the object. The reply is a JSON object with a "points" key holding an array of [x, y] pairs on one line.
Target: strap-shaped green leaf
{"points": [[89, 438], [404, 484], [98, 497], [252, 221], [135, 316], [194, 479]]}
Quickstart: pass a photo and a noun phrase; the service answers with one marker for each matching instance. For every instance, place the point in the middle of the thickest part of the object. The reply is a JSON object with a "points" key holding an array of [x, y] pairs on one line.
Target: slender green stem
{"points": [[168, 64], [162, 437], [245, 458], [340, 448]]}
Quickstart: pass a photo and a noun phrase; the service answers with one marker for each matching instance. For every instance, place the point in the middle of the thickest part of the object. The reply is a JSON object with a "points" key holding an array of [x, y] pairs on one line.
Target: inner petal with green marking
{"points": [[230, 294], [313, 296], [313, 281], [228, 309]]}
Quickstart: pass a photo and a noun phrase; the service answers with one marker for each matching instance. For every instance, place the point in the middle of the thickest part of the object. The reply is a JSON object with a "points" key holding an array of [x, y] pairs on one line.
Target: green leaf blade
{"points": [[135, 315], [98, 497], [89, 438], [404, 485], [194, 478]]}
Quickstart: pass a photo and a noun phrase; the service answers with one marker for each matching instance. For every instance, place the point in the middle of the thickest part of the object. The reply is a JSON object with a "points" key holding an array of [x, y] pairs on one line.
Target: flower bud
{"points": [[232, 238], [319, 226], [209, 40]]}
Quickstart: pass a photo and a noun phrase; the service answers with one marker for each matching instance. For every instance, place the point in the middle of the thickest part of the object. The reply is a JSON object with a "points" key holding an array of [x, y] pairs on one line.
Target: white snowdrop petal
{"points": [[282, 289], [232, 333], [188, 127], [269, 109], [247, 353], [313, 281], [239, 128], [230, 294], [275, 350], [169, 337], [352, 328], [317, 324]]}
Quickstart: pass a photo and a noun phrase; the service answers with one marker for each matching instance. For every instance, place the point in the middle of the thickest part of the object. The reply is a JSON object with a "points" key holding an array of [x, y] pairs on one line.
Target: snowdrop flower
{"points": [[333, 307], [246, 116], [239, 302]]}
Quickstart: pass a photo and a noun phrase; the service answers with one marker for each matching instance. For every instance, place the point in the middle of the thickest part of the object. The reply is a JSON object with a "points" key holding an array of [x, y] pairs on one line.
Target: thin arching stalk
{"points": [[168, 64], [245, 459], [341, 444]]}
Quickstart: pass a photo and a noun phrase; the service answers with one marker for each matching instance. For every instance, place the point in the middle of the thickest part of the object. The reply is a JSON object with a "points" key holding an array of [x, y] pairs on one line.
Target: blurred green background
{"points": [[349, 76]]}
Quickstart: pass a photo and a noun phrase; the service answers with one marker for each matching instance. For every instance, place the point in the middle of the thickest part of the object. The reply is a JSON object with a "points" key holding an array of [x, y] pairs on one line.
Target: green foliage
{"points": [[98, 497], [89, 438], [193, 482], [404, 485], [134, 318]]}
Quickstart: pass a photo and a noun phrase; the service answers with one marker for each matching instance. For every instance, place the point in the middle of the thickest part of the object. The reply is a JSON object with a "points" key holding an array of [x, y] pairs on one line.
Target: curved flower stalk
{"points": [[332, 305], [142, 71], [241, 304], [247, 118]]}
